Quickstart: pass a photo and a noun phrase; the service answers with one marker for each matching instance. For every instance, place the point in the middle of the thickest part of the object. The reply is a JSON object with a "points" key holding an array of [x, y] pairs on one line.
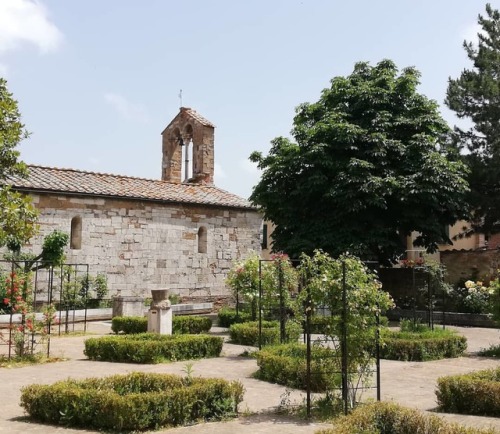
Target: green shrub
{"points": [[227, 317], [492, 351], [322, 324], [286, 365], [181, 324], [129, 324], [136, 401], [248, 333], [390, 418], [152, 348], [427, 345], [474, 393], [191, 324]]}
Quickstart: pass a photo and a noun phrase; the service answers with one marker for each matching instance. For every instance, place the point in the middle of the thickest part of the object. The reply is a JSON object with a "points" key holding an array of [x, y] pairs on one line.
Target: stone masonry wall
{"points": [[144, 245]]}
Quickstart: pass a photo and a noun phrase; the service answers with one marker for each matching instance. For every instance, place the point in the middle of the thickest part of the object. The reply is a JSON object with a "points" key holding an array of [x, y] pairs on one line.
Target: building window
{"points": [[202, 240], [76, 233], [264, 236]]}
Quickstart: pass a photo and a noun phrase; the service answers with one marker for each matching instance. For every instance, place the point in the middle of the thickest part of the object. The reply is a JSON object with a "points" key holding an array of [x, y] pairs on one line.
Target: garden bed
{"points": [[448, 318], [385, 417], [136, 401], [286, 365], [422, 346], [248, 333], [474, 393], [152, 348]]}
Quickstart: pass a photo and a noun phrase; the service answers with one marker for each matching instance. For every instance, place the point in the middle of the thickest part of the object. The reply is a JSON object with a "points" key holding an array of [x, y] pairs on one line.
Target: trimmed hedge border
{"points": [[286, 365], [387, 417], [152, 348], [418, 347], [226, 317], [248, 333], [181, 324], [136, 401], [474, 393]]}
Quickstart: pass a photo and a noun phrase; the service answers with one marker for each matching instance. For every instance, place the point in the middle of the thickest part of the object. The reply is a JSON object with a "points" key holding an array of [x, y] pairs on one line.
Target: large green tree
{"points": [[369, 165], [475, 96], [17, 216]]}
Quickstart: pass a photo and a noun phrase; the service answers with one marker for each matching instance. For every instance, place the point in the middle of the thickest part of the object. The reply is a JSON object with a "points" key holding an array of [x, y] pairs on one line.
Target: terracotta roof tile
{"points": [[71, 181]]}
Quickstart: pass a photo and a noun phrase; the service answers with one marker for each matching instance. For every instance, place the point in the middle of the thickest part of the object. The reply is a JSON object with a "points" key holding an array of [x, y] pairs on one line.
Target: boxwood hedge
{"points": [[136, 401], [427, 345], [286, 365], [152, 348], [474, 393], [390, 418], [248, 333], [227, 317], [190, 324]]}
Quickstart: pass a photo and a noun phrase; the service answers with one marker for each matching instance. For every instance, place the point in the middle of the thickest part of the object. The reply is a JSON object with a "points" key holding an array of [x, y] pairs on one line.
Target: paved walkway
{"points": [[409, 383]]}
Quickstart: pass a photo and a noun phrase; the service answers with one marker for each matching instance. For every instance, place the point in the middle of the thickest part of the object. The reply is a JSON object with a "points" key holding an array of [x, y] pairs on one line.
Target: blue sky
{"points": [[97, 81]]}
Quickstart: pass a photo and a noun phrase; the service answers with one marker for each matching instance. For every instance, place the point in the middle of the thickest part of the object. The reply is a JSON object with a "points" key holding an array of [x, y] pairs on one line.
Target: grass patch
{"points": [[21, 361]]}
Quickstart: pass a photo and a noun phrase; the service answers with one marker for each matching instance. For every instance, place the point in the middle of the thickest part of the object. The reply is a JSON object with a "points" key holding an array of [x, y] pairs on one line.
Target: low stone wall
{"points": [[449, 318], [107, 313]]}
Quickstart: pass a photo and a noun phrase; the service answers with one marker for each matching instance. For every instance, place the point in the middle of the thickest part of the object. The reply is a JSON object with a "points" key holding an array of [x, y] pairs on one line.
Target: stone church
{"points": [[181, 233]]}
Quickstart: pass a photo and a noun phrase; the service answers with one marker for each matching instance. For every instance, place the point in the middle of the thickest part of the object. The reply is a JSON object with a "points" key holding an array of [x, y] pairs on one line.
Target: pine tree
{"points": [[475, 95]]}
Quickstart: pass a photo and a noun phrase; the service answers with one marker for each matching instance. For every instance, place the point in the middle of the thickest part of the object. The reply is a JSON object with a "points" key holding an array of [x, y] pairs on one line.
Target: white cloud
{"points": [[129, 110], [27, 22]]}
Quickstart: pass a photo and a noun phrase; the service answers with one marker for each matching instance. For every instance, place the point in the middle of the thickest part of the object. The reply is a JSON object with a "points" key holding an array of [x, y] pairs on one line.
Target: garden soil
{"points": [[408, 383]]}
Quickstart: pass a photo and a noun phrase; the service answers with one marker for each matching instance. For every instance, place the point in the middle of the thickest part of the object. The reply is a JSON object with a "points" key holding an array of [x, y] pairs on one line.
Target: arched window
{"points": [[202, 240], [76, 233]]}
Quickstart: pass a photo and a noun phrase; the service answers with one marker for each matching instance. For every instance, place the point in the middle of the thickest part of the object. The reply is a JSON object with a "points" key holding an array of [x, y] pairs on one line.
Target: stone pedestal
{"points": [[128, 306], [160, 313]]}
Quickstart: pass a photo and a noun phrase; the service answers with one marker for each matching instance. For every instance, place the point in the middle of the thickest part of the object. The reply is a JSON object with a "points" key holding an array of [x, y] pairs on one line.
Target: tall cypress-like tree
{"points": [[367, 167], [475, 95]]}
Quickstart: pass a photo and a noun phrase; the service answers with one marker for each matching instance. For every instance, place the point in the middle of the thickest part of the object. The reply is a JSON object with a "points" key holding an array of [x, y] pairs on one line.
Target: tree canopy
{"points": [[475, 95], [369, 165], [17, 216]]}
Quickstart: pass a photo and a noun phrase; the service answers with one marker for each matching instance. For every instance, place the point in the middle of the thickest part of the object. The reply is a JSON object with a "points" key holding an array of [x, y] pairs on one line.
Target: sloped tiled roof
{"points": [[77, 182], [190, 113]]}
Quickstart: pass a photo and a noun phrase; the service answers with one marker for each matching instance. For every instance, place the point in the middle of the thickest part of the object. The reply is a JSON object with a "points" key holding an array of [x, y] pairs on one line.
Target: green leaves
{"points": [[476, 95], [369, 165], [17, 216]]}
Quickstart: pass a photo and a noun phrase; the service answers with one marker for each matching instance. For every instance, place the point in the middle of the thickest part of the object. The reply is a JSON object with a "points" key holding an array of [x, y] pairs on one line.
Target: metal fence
{"points": [[37, 300], [353, 378]]}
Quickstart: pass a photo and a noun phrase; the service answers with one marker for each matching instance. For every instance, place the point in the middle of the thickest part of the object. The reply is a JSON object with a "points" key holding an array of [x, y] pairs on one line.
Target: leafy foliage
{"points": [[475, 95], [389, 418], [286, 365], [323, 288], [368, 166], [181, 324], [136, 401], [227, 317], [276, 278], [152, 348], [17, 215], [248, 333], [417, 342], [474, 393]]}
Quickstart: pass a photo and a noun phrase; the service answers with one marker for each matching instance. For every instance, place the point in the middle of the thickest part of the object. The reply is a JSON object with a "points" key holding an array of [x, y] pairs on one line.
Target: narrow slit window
{"points": [[202, 240], [76, 233]]}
